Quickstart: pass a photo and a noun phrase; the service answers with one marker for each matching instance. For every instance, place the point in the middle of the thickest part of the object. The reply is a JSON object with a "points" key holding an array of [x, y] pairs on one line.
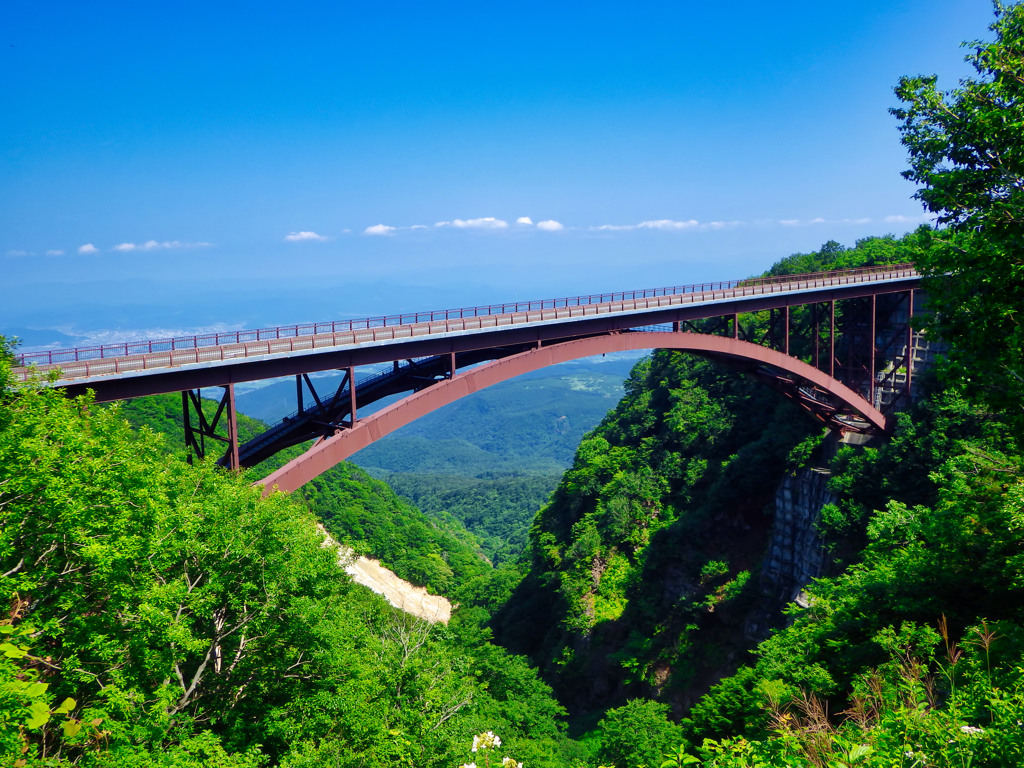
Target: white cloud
{"points": [[55, 252], [525, 220], [379, 229], [298, 237], [153, 245], [17, 253], [419, 226], [670, 225], [900, 219], [487, 222], [663, 224], [550, 225], [667, 224], [88, 248]]}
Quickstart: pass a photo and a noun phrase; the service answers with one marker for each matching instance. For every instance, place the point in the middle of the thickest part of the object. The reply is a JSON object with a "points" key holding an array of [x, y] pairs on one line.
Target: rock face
{"points": [[795, 554], [414, 600]]}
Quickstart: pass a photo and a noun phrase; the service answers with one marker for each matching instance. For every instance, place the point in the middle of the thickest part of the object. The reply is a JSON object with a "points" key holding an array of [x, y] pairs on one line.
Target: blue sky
{"points": [[171, 167]]}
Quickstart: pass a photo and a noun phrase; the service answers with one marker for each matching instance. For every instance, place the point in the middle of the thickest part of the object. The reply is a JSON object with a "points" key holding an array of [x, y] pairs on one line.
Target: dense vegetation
{"points": [[362, 513], [911, 655], [645, 566], [652, 534], [164, 614]]}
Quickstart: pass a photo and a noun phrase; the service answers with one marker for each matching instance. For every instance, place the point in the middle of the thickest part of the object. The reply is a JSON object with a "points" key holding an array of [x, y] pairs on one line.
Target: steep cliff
{"points": [[647, 564]]}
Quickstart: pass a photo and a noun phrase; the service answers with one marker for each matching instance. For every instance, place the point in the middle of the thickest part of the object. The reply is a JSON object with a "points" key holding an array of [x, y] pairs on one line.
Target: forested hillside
{"points": [[493, 459], [165, 614], [362, 513], [646, 566], [911, 651]]}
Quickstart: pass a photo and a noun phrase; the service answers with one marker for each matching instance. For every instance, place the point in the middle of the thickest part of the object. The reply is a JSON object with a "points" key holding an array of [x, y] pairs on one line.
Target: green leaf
{"points": [[12, 651], [859, 751], [72, 727], [35, 690], [40, 715], [66, 706]]}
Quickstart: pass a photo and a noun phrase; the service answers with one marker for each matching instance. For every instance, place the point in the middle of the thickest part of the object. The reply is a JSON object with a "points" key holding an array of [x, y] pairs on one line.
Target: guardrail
{"points": [[114, 359]]}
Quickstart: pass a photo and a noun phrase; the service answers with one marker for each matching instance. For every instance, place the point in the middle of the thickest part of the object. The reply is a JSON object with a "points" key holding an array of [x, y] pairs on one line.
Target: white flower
{"points": [[970, 730], [508, 762], [468, 765], [486, 741]]}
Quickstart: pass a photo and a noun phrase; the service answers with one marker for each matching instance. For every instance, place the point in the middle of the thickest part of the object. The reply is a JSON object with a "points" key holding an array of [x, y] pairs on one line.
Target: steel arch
{"points": [[327, 452]]}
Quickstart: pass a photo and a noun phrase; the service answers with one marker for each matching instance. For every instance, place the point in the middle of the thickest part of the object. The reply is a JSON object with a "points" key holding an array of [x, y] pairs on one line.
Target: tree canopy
{"points": [[162, 614], [967, 154]]}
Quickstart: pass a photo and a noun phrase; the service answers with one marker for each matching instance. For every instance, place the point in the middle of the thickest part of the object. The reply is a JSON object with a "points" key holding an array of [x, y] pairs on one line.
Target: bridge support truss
{"points": [[839, 343], [828, 399], [861, 346], [199, 429], [867, 342]]}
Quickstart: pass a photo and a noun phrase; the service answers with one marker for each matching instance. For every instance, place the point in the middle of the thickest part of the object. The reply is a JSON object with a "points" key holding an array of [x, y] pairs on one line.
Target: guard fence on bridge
{"points": [[427, 349], [725, 288], [139, 356]]}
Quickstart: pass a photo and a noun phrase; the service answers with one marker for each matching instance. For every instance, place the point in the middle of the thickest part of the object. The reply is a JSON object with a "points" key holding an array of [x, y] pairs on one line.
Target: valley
{"points": [[604, 542], [338, 428]]}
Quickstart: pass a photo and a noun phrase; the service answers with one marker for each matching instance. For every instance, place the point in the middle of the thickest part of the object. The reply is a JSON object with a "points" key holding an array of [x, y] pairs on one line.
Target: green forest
{"points": [[163, 613]]}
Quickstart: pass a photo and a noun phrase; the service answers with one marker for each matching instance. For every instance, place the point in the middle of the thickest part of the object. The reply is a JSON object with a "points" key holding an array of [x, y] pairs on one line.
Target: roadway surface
{"points": [[142, 368]]}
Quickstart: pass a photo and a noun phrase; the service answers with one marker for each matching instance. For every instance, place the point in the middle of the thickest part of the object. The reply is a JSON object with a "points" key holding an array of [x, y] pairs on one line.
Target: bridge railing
{"points": [[199, 341]]}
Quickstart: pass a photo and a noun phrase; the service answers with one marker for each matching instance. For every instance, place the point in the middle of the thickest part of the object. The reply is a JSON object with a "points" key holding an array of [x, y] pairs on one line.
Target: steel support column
{"points": [[873, 348], [910, 344], [816, 330], [352, 396], [232, 416], [197, 432], [191, 443], [785, 327], [832, 340]]}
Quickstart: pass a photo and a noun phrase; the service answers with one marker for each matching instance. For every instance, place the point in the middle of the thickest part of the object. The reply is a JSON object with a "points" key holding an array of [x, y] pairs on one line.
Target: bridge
{"points": [[838, 343]]}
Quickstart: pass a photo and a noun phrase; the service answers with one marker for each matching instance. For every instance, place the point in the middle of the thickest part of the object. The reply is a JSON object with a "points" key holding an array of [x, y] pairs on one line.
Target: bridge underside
{"points": [[435, 384]]}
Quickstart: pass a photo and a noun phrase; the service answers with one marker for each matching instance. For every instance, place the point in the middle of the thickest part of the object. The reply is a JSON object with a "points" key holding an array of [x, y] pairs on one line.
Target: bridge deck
{"points": [[244, 360]]}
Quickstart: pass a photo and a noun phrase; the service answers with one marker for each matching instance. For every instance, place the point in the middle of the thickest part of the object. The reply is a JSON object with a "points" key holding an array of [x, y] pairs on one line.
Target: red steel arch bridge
{"points": [[838, 343]]}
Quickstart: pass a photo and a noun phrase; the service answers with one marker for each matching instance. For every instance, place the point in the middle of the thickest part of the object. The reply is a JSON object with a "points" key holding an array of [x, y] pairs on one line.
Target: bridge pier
{"points": [[196, 434]]}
